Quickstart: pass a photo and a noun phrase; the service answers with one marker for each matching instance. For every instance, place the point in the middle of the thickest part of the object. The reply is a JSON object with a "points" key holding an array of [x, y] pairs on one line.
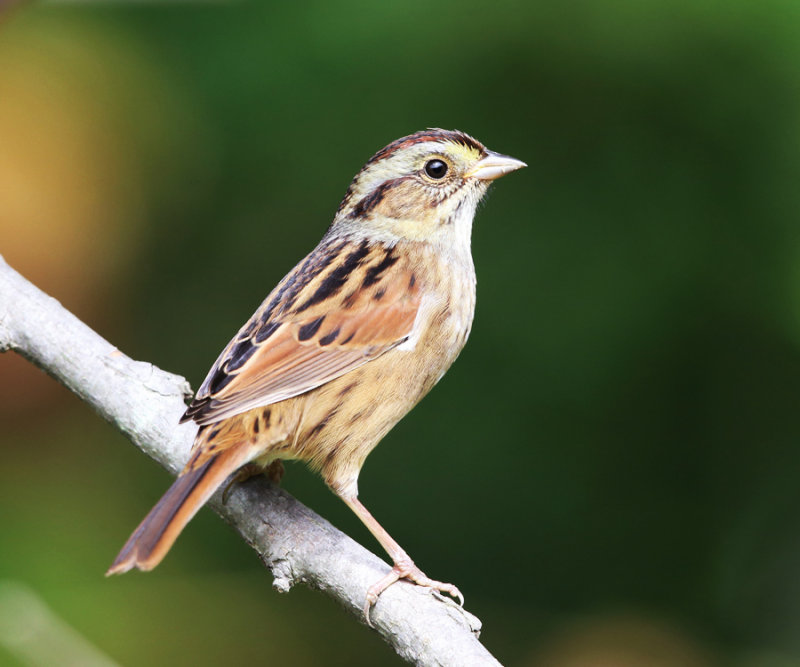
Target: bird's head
{"points": [[422, 187]]}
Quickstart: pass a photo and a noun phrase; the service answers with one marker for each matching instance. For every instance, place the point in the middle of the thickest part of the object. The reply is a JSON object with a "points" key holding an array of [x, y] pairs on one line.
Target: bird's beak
{"points": [[494, 166]]}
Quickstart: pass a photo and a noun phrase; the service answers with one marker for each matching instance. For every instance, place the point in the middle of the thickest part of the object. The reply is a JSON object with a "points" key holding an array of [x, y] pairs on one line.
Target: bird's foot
{"points": [[244, 473], [274, 471], [405, 569]]}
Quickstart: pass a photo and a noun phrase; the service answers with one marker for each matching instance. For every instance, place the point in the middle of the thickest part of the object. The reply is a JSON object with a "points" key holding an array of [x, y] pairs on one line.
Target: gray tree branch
{"points": [[297, 545]]}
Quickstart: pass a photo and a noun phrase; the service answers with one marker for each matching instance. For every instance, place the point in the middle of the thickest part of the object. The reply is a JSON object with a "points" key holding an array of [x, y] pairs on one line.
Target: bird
{"points": [[345, 346]]}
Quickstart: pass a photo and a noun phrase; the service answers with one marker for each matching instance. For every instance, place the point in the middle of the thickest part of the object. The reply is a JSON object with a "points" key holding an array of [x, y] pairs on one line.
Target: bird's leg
{"points": [[244, 473], [404, 567], [274, 472]]}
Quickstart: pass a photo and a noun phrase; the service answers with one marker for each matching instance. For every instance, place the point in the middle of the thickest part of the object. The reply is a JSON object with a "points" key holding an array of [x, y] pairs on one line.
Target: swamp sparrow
{"points": [[346, 344]]}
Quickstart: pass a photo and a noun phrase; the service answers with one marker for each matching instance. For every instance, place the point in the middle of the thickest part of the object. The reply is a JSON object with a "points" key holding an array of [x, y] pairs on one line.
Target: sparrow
{"points": [[346, 344]]}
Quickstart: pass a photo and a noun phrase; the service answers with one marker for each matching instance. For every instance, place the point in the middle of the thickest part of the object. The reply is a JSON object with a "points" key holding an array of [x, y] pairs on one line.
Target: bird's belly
{"points": [[340, 422]]}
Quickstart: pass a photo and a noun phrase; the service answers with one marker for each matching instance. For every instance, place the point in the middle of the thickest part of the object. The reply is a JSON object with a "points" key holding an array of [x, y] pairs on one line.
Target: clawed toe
{"points": [[412, 573], [451, 590], [244, 473]]}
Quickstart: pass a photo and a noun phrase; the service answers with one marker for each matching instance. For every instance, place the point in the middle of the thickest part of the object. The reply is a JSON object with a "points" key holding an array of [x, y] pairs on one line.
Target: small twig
{"points": [[297, 545]]}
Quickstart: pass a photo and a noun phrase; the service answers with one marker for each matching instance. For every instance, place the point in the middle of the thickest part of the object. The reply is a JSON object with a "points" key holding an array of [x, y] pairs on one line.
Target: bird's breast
{"points": [[341, 421], [446, 314]]}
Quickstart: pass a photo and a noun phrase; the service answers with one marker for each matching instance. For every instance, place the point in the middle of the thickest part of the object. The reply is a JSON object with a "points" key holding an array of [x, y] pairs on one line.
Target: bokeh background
{"points": [[610, 470]]}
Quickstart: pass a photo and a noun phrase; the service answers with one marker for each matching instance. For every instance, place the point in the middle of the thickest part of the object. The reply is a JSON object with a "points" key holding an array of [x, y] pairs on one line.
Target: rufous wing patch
{"points": [[371, 312]]}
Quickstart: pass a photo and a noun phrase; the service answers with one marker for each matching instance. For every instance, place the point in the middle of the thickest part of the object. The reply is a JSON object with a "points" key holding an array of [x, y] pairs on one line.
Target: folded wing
{"points": [[343, 306]]}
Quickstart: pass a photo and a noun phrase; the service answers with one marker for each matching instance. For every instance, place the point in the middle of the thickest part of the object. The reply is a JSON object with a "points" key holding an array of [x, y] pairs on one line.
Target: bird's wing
{"points": [[345, 304]]}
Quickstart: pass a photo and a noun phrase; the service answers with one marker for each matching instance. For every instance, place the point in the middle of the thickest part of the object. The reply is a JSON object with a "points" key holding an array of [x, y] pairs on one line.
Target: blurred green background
{"points": [[609, 472]]}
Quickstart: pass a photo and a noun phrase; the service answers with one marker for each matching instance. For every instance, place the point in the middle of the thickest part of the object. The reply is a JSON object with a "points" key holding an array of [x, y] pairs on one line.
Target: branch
{"points": [[297, 545]]}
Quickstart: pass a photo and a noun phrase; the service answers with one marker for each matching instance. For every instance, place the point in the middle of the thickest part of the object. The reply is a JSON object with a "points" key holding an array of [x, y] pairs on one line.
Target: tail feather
{"points": [[156, 534]]}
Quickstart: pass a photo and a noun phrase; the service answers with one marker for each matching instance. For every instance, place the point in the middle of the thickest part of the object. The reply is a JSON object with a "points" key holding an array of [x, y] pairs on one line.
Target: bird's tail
{"points": [[156, 534]]}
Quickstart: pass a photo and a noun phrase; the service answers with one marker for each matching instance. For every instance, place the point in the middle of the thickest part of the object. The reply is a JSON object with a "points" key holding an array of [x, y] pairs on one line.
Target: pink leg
{"points": [[404, 567]]}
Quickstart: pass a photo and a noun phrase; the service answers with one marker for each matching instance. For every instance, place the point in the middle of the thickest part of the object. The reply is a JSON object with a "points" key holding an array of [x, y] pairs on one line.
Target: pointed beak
{"points": [[494, 166]]}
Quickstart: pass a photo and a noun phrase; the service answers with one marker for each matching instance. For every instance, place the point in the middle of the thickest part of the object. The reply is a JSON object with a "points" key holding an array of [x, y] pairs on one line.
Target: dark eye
{"points": [[436, 168]]}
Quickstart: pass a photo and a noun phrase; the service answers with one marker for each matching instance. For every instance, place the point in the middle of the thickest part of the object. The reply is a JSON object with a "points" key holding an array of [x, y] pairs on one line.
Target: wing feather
{"points": [[360, 304]]}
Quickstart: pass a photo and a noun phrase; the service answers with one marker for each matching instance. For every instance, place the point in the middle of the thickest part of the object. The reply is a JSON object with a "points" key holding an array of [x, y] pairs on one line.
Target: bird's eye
{"points": [[436, 169]]}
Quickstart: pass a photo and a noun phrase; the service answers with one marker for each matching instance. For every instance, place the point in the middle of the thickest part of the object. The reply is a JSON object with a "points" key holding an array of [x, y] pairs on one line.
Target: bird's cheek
{"points": [[406, 200]]}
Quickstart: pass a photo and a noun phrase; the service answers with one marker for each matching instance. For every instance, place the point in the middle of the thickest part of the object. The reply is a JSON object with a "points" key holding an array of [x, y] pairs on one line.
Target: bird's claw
{"points": [[409, 571], [244, 473]]}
